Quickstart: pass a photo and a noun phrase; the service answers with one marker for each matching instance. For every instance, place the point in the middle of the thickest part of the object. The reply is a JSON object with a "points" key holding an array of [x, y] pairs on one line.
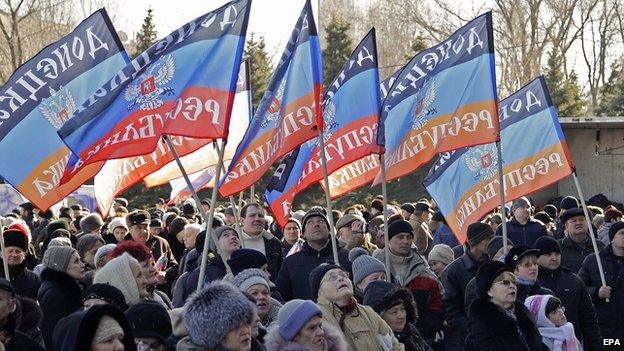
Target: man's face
{"points": [[522, 213], [576, 226], [426, 216], [550, 260], [401, 244], [406, 215], [155, 230], [14, 255], [479, 251], [253, 223], [291, 232], [371, 278], [618, 240], [139, 233], [316, 230], [7, 304]]}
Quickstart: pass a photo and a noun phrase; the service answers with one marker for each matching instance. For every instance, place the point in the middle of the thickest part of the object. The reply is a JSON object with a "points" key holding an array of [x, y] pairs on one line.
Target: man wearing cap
{"points": [[522, 229], [609, 298], [10, 337], [410, 270], [570, 289], [292, 280], [350, 229], [25, 282], [138, 226], [422, 235], [363, 328], [257, 238], [407, 209], [456, 276], [576, 245]]}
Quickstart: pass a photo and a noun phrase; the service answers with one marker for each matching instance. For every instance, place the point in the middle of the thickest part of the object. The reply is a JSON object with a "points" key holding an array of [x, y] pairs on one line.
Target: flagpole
{"points": [[384, 193], [592, 235], [252, 194], [501, 190], [236, 221], [5, 264], [330, 215]]}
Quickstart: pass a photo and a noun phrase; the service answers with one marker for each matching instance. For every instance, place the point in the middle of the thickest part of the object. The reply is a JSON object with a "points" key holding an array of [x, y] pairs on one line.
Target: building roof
{"points": [[591, 122]]}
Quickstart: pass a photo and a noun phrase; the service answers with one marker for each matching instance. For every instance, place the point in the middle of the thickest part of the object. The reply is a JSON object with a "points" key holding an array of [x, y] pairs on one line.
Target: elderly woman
{"points": [[497, 321], [124, 273], [300, 328], [255, 282], [549, 314], [219, 317]]}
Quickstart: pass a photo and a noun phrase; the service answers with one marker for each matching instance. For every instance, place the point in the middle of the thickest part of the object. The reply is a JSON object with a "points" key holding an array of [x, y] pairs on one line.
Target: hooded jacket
{"points": [[334, 341]]}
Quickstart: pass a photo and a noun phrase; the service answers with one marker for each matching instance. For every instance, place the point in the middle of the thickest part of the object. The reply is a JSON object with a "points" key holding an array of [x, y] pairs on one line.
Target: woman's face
{"points": [[120, 233], [89, 255], [149, 272], [113, 343], [238, 339], [396, 317], [558, 316], [262, 296], [75, 268], [527, 268], [503, 290], [312, 334], [139, 278]]}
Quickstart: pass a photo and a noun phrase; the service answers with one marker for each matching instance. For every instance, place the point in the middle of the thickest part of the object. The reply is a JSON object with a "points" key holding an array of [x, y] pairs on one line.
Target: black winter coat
{"points": [[28, 316], [492, 329], [59, 296], [293, 279], [580, 310], [411, 338], [21, 342], [610, 314], [274, 255], [215, 270], [573, 253], [24, 281]]}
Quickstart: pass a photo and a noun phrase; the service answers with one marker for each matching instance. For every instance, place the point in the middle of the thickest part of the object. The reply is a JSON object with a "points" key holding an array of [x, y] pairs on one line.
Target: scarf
{"points": [[345, 311], [524, 281], [560, 338]]}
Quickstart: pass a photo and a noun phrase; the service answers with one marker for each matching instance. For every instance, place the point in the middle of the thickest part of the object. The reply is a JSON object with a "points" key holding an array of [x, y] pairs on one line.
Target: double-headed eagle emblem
{"points": [[422, 108], [147, 90], [482, 161], [58, 107], [275, 106]]}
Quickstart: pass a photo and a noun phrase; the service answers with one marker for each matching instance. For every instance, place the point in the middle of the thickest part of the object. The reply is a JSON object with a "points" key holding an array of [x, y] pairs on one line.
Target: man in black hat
{"points": [[570, 289], [422, 235], [576, 245], [292, 280], [456, 276], [138, 226], [25, 282], [10, 337]]}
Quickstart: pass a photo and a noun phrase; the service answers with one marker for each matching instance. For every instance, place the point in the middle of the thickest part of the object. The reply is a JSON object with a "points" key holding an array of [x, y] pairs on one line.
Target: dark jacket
{"points": [[59, 296], [525, 291], [492, 329], [523, 234], [610, 314], [24, 281], [411, 338], [573, 253], [215, 270], [21, 342], [275, 257], [580, 310], [28, 316], [292, 280], [455, 278]]}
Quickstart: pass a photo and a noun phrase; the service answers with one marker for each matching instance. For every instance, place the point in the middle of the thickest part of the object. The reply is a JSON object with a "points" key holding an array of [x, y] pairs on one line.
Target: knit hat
{"points": [[364, 264], [486, 275], [294, 220], [441, 253], [217, 235], [87, 241], [137, 217], [118, 273], [408, 207], [517, 253], [249, 277], [149, 319], [177, 225], [57, 224], [377, 204], [495, 244], [571, 213], [568, 202], [317, 275], [105, 292], [615, 227], [57, 257], [313, 213], [101, 252], [116, 223], [294, 315], [346, 220], [214, 311], [612, 214], [398, 227], [17, 238], [60, 241], [547, 244], [243, 259], [91, 223], [382, 295], [520, 202], [106, 328], [479, 231]]}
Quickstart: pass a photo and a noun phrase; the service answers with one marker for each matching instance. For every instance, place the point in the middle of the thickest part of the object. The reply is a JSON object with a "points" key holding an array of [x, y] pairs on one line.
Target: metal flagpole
{"points": [[501, 190], [252, 194], [207, 218], [384, 193], [589, 226], [236, 221], [5, 264], [330, 215]]}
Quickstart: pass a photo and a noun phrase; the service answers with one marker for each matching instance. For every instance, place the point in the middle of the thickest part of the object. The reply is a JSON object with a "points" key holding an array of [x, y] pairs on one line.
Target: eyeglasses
{"points": [[507, 282], [332, 277]]}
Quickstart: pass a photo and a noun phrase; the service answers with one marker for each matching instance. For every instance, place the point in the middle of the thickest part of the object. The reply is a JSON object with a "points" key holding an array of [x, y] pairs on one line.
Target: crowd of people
{"points": [[130, 282]]}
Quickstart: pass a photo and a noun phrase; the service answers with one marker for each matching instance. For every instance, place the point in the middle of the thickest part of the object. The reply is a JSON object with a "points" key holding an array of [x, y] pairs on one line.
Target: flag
{"points": [[183, 85], [362, 171], [289, 113], [351, 115], [84, 196], [204, 179], [10, 199], [207, 156], [41, 95], [444, 99], [465, 184]]}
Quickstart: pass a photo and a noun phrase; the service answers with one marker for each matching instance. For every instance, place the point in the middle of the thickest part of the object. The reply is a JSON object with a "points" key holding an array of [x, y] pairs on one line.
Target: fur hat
{"points": [[571, 213], [441, 253], [138, 217], [243, 259], [547, 244], [16, 237], [105, 292], [517, 253], [294, 315], [249, 277], [214, 311], [382, 295], [177, 225], [57, 257], [91, 223], [117, 272], [486, 275], [377, 204], [479, 231], [149, 319], [364, 264], [57, 224], [568, 202], [612, 214]]}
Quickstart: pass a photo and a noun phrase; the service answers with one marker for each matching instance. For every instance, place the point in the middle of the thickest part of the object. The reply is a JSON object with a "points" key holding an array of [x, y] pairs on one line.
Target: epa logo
{"points": [[611, 342]]}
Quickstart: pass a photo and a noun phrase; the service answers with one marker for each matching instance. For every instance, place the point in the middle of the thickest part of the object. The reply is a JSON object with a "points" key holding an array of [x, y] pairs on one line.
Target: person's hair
{"points": [[253, 204], [496, 218], [595, 210], [552, 304], [135, 249]]}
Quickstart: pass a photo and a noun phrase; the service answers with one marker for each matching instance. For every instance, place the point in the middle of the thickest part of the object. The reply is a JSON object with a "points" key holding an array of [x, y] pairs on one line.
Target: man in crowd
{"points": [[24, 281], [350, 229], [292, 280], [138, 226], [422, 235], [576, 245], [11, 339], [522, 229], [292, 236], [257, 238]]}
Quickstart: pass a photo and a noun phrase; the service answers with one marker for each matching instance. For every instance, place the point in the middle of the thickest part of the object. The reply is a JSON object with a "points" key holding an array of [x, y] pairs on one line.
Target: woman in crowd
{"points": [[522, 260], [549, 314], [255, 282], [124, 273], [87, 245]]}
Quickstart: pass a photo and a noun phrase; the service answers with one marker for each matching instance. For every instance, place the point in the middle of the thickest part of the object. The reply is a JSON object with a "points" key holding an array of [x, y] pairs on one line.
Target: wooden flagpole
{"points": [[330, 216], [501, 190]]}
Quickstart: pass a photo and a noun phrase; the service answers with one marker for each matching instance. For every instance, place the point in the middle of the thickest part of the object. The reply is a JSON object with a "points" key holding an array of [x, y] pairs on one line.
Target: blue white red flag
{"points": [[289, 113], [464, 183], [351, 115], [183, 85], [444, 99], [41, 95]]}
